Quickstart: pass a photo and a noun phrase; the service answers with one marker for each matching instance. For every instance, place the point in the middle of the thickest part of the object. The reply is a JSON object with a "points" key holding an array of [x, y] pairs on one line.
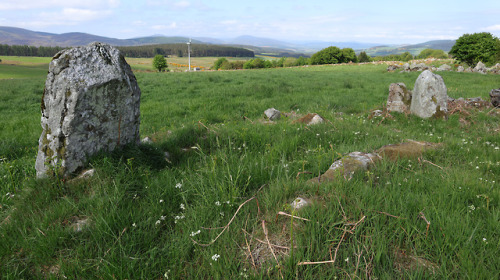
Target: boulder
{"points": [[444, 67], [90, 103], [495, 97], [480, 68], [399, 99], [468, 70], [429, 96], [298, 203], [460, 68], [272, 114]]}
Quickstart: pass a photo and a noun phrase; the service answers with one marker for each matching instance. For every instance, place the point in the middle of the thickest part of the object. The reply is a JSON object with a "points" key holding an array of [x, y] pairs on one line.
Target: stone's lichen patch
{"points": [[91, 102], [407, 262]]}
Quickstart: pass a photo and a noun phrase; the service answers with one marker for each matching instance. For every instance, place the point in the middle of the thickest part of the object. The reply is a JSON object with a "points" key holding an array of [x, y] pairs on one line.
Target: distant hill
{"points": [[19, 36], [264, 46], [444, 45]]}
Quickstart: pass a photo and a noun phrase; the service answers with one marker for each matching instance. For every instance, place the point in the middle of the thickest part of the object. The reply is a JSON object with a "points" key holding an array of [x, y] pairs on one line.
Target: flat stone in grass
{"points": [[345, 167], [90, 103], [430, 97], [410, 149]]}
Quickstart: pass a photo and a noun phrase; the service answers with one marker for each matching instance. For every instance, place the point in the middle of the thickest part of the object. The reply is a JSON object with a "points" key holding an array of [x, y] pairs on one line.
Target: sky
{"points": [[369, 21]]}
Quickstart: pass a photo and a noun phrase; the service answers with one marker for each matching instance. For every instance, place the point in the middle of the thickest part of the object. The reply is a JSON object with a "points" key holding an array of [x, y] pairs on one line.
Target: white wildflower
{"points": [[161, 200], [157, 222], [134, 225], [215, 257], [182, 206], [217, 203], [194, 233], [178, 186], [347, 259]]}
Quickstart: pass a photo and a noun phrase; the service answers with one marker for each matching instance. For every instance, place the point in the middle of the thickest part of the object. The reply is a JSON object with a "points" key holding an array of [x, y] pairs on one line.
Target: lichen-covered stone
{"points": [[399, 98], [495, 97], [272, 114], [91, 103], [430, 96], [347, 166]]}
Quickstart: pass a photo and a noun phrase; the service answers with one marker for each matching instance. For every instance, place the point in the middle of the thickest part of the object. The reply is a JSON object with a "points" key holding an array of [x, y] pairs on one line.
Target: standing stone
{"points": [[495, 97], [90, 103], [430, 96], [399, 99]]}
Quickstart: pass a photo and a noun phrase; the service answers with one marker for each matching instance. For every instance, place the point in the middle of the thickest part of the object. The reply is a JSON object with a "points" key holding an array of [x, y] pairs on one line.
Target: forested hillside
{"points": [[197, 50]]}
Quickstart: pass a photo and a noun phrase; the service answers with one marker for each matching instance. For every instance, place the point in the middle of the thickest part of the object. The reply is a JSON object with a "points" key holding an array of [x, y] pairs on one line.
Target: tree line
{"points": [[17, 50], [146, 51], [181, 50], [256, 63]]}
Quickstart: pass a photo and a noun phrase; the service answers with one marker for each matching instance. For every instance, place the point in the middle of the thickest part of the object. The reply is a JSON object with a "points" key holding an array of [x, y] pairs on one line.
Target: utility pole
{"points": [[189, 54]]}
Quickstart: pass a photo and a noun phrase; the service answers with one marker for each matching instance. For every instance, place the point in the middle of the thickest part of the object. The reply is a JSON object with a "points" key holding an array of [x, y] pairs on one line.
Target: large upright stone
{"points": [[399, 98], [90, 103], [430, 96]]}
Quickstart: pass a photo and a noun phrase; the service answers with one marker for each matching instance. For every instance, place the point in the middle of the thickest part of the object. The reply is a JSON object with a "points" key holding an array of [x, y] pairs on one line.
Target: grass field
{"points": [[143, 216]]}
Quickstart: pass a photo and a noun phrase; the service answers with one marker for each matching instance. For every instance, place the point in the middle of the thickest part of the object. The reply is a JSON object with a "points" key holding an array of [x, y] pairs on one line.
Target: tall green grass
{"points": [[144, 212]]}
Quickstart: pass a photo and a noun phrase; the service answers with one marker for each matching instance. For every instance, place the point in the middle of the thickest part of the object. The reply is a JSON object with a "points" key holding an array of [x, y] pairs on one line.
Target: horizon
{"points": [[387, 23]]}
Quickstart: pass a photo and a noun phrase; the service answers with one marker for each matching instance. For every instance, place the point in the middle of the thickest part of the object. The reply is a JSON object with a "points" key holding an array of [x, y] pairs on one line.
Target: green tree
{"points": [[328, 55], [363, 57], [472, 48], [218, 63], [159, 63], [348, 55]]}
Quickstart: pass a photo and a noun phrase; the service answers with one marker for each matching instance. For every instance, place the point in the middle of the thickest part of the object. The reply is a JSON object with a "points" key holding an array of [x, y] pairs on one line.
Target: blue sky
{"points": [[390, 22]]}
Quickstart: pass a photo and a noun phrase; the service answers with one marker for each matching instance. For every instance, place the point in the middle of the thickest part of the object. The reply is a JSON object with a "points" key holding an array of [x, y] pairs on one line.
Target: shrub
{"points": [[159, 63], [218, 63]]}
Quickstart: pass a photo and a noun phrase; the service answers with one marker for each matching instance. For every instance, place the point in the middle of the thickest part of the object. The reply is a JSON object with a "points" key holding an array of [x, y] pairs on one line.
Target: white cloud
{"points": [[173, 25], [228, 22], [41, 4], [493, 28], [182, 4]]}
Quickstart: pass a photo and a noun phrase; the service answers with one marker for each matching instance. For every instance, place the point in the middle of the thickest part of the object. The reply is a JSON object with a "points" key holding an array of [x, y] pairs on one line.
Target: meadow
{"points": [[211, 209]]}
